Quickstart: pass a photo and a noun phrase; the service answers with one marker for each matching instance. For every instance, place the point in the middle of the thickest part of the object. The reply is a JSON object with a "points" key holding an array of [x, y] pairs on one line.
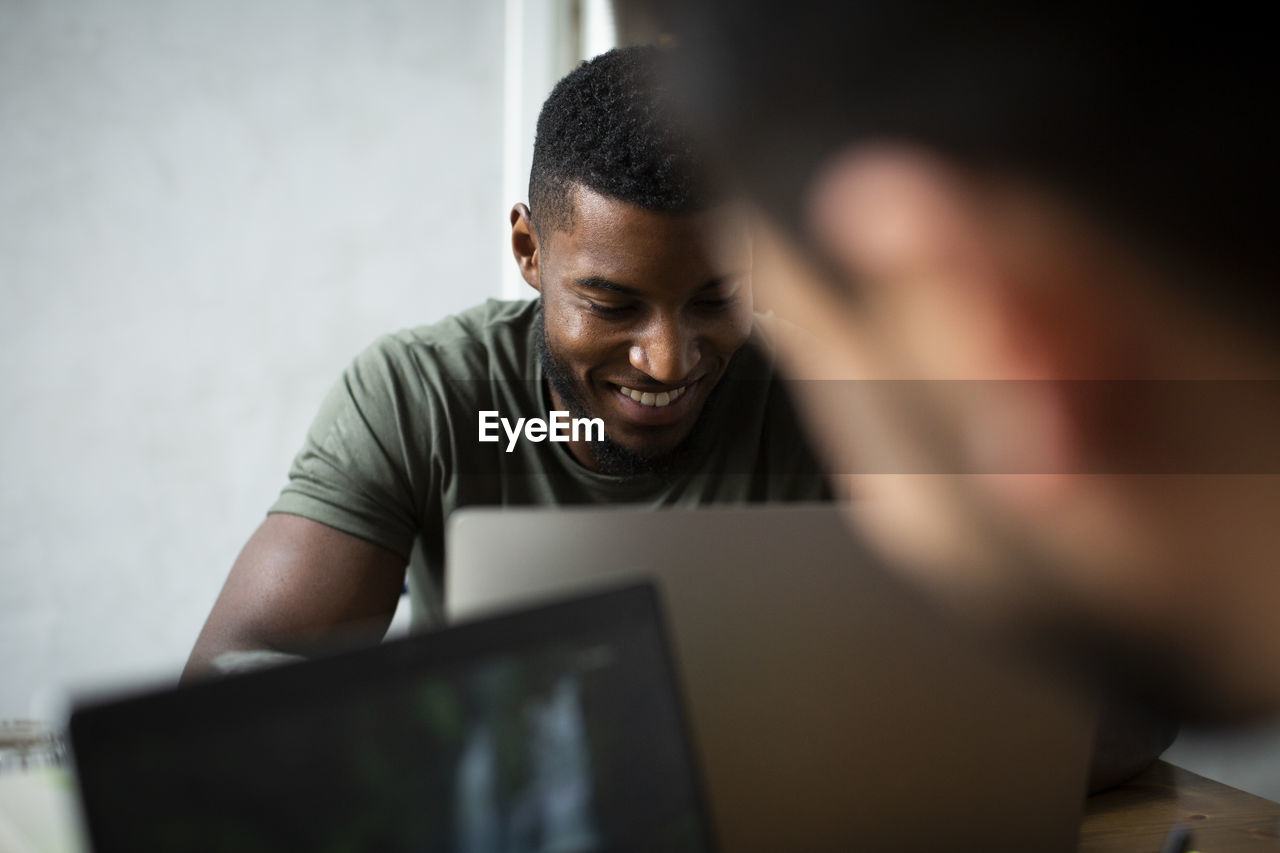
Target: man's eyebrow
{"points": [[595, 282]]}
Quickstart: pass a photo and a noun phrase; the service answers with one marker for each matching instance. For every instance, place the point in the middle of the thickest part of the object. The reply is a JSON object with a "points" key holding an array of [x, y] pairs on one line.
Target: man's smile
{"points": [[649, 398], [656, 407]]}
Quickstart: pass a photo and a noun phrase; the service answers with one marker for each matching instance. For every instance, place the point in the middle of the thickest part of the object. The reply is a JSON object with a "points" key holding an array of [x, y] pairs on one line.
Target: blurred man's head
{"points": [[643, 270], [1057, 197]]}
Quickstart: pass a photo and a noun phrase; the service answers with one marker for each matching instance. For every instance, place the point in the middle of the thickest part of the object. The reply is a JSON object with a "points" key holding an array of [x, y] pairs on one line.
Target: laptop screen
{"points": [[554, 729]]}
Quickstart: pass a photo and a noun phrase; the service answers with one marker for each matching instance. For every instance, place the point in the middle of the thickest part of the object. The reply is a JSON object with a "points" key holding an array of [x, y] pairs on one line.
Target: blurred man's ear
{"points": [[980, 286]]}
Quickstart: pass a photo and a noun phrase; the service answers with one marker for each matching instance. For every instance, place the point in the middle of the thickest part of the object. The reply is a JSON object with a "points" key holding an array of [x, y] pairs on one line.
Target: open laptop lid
{"points": [[558, 728], [831, 708]]}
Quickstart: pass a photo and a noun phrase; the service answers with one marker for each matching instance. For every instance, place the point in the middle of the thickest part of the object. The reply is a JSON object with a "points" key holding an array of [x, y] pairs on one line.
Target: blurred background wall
{"points": [[206, 209]]}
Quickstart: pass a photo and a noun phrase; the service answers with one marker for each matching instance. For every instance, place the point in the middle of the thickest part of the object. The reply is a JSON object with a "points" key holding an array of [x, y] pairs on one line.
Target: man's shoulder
{"points": [[492, 324], [495, 336]]}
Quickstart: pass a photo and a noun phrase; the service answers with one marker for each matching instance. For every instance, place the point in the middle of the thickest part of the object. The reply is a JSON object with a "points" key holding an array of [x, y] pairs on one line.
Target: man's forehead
{"points": [[603, 228]]}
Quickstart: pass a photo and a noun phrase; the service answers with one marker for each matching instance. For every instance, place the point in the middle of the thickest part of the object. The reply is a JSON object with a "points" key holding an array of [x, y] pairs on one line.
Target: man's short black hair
{"points": [[1158, 122], [606, 127]]}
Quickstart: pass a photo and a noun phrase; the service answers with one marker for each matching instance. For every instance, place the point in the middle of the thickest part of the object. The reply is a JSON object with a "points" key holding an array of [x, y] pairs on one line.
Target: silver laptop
{"points": [[830, 708]]}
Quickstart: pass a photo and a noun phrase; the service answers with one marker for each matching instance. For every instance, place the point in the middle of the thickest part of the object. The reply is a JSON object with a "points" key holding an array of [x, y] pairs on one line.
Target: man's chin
{"points": [[634, 459], [631, 449]]}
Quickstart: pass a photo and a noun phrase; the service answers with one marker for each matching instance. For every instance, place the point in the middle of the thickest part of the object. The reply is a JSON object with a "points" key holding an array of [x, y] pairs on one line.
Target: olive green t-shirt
{"points": [[395, 448]]}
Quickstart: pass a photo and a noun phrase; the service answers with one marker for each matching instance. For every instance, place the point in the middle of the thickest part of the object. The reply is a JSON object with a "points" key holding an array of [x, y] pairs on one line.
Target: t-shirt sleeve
{"points": [[366, 466]]}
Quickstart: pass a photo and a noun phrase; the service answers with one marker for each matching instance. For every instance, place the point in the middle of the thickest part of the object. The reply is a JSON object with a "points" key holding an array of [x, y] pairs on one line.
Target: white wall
{"points": [[206, 209]]}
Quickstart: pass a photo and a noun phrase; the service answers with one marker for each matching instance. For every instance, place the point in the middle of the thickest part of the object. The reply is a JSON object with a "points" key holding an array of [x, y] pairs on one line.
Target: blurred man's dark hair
{"points": [[1157, 121]]}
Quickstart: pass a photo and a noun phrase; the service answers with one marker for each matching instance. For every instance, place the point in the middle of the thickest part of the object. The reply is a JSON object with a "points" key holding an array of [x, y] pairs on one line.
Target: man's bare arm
{"points": [[296, 582]]}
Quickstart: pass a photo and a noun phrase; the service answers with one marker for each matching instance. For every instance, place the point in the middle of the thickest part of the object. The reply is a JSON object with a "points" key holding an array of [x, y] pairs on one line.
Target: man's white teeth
{"points": [[648, 398]]}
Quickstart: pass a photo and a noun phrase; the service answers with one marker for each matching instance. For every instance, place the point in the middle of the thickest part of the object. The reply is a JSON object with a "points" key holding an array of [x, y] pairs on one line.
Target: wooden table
{"points": [[1136, 817]]}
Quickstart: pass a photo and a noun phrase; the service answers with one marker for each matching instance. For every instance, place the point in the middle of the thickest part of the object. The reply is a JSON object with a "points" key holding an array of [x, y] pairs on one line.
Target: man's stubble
{"points": [[611, 458]]}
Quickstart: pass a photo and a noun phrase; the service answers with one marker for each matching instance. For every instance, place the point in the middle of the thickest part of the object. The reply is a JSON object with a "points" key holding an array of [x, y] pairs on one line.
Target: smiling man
{"points": [[643, 325]]}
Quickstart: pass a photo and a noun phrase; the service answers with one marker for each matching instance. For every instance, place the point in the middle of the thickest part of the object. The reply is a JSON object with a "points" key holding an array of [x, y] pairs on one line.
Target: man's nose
{"points": [[666, 351]]}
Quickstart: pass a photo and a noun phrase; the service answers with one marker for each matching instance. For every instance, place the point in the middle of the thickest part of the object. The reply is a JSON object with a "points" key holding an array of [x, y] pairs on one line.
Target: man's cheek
{"points": [[734, 331], [575, 326]]}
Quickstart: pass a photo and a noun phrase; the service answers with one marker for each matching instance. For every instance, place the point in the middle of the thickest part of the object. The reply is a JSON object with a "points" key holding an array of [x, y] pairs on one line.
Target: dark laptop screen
{"points": [[555, 729]]}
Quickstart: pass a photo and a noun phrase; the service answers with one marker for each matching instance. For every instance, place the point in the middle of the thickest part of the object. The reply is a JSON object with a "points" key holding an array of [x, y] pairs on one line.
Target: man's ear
{"points": [[967, 279], [525, 248]]}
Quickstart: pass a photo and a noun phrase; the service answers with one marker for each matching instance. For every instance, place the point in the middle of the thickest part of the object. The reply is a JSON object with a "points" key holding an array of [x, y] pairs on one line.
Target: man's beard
{"points": [[611, 457]]}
